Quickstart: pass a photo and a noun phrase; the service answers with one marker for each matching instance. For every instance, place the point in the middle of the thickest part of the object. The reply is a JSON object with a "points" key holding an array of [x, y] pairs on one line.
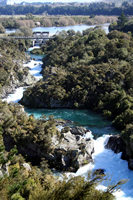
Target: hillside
{"points": [[95, 8], [12, 72], [93, 71], [124, 24]]}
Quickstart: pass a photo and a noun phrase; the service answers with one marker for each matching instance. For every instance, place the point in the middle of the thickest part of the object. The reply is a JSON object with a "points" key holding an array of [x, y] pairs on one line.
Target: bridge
{"points": [[37, 38]]}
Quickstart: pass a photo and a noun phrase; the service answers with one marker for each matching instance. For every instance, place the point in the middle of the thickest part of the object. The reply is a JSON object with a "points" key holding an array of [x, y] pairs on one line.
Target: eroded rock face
{"points": [[4, 170], [27, 166], [130, 164], [19, 78], [72, 151], [36, 101], [78, 131], [116, 144]]}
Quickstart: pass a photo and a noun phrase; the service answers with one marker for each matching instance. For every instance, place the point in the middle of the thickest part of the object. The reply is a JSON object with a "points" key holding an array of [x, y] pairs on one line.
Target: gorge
{"points": [[110, 162]]}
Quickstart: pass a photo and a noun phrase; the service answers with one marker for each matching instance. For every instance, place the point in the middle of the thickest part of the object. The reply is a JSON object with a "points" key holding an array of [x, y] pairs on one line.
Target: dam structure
{"points": [[38, 38]]}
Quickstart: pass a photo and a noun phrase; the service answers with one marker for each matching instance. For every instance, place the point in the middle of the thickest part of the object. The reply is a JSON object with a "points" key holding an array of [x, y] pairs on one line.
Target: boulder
{"points": [[4, 170], [68, 151], [78, 131], [20, 78], [27, 166], [130, 164], [99, 172], [116, 144], [72, 151]]}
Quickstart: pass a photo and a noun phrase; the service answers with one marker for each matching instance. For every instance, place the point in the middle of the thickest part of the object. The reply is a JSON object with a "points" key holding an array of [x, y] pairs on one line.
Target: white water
{"points": [[35, 69], [15, 96], [115, 168]]}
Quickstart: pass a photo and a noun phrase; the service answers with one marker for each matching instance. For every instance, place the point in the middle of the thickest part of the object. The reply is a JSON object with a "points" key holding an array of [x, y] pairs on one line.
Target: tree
{"points": [[2, 29], [122, 19], [25, 31]]}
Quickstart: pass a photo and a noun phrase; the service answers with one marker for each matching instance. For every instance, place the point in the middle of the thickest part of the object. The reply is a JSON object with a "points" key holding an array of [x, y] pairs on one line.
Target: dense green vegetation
{"points": [[30, 21], [89, 70], [18, 182], [93, 70], [11, 57], [48, 21], [18, 134], [22, 130], [100, 8], [9, 23], [2, 29], [124, 24]]}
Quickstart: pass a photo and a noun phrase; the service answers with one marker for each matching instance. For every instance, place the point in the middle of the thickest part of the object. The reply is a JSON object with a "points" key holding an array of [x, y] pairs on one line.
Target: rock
{"points": [[78, 131], [116, 144], [130, 164], [27, 166], [1, 174], [99, 172], [69, 151], [4, 170], [54, 103], [28, 79], [19, 78], [72, 151]]}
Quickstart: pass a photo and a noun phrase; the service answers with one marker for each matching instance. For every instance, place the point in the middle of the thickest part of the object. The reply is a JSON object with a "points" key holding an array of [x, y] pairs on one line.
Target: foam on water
{"points": [[115, 169], [35, 69], [16, 96], [35, 47]]}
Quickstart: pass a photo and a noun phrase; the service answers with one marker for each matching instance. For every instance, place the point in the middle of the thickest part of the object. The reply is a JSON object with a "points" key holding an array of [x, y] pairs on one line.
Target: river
{"points": [[115, 168], [81, 28], [55, 30]]}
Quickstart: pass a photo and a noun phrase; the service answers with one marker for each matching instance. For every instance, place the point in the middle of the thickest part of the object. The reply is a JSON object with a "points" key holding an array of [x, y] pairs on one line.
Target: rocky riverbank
{"points": [[20, 78], [116, 144], [67, 149], [70, 148]]}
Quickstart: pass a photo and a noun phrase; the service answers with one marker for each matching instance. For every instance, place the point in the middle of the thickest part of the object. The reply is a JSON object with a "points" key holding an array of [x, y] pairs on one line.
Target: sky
{"points": [[30, 1]]}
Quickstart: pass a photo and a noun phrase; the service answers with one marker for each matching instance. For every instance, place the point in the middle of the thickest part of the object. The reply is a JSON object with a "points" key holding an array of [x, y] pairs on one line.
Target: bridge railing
{"points": [[26, 37]]}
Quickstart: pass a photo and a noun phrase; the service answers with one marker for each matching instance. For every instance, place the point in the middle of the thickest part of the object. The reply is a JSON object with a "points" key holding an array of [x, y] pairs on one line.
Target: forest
{"points": [[22, 181], [124, 24], [31, 21], [21, 177], [90, 70], [100, 8]]}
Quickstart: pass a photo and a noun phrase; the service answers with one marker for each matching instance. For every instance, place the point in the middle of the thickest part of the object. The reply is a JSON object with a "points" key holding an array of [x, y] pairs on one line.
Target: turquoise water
{"points": [[35, 56], [94, 122]]}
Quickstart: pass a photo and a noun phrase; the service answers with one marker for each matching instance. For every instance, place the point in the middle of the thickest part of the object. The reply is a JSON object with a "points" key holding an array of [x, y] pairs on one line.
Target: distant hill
{"points": [[73, 7], [12, 2], [34, 2], [3, 2]]}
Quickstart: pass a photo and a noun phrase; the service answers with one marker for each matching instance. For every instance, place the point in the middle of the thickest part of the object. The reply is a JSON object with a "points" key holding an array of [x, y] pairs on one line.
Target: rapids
{"points": [[115, 168]]}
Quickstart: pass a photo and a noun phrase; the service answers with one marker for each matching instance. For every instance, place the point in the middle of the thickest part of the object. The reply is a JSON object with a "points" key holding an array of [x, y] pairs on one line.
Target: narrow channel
{"points": [[115, 168]]}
